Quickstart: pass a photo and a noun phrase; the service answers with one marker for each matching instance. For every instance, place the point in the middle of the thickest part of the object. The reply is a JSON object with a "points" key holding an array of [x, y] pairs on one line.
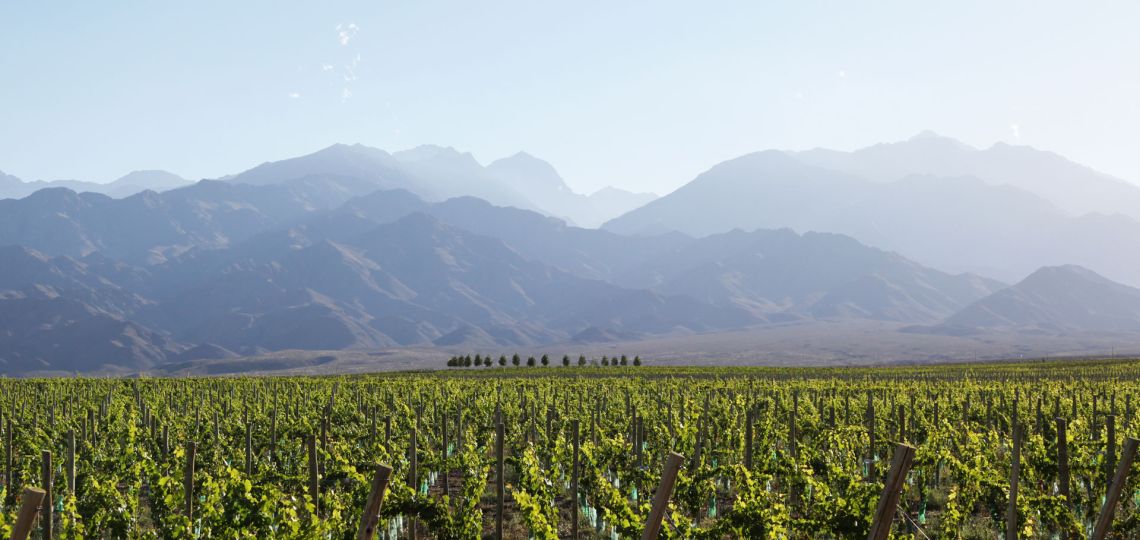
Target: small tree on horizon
{"points": [[467, 361], [530, 362], [637, 360], [503, 360], [545, 360], [605, 361], [623, 360], [516, 360], [581, 359], [565, 360]]}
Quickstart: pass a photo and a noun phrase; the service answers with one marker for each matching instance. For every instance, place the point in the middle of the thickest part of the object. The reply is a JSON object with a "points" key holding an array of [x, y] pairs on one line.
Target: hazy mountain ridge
{"points": [[134, 182], [960, 224], [540, 183], [1073, 187], [391, 270], [1056, 299], [340, 250], [812, 275], [149, 227], [437, 173]]}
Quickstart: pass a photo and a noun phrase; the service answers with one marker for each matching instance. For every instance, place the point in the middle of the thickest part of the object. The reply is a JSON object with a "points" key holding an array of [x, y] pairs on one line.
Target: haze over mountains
{"points": [[437, 173], [134, 182], [915, 200], [353, 248], [1070, 186]]}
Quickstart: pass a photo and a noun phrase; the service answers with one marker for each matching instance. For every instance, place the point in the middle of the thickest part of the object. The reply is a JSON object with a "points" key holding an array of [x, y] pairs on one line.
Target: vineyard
{"points": [[1018, 450]]}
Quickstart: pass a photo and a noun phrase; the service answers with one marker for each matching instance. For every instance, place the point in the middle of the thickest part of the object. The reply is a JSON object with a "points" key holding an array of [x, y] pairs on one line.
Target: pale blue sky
{"points": [[642, 95]]}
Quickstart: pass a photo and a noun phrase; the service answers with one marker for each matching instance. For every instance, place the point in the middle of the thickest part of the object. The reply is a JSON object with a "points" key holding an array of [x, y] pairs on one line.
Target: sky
{"points": [[642, 95]]}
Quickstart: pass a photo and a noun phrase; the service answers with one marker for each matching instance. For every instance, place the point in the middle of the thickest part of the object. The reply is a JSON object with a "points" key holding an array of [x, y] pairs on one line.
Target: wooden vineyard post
{"points": [[446, 468], [792, 425], [413, 474], [846, 409], [500, 488], [892, 490], [325, 434], [248, 448], [459, 427], [638, 439], [574, 482], [188, 479], [1110, 448], [1063, 460], [71, 462], [1040, 417], [1104, 522], [902, 423], [413, 451], [661, 498], [273, 430], [372, 433], [46, 480], [871, 436], [30, 502], [748, 439], [314, 478], [1014, 480], [371, 516], [8, 457], [594, 416]]}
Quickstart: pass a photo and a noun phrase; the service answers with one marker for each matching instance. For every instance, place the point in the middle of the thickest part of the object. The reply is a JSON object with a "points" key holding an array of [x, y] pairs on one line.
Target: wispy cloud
{"points": [[350, 69], [1016, 130], [294, 95], [842, 74], [345, 32]]}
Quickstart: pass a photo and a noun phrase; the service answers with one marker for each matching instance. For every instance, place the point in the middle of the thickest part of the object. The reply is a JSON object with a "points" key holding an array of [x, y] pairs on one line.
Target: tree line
{"points": [[516, 360]]}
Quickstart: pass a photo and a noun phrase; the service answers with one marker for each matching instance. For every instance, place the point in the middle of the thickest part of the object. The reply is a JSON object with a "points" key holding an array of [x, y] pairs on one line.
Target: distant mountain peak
{"points": [[1061, 275], [926, 134], [523, 155], [347, 149], [1060, 299], [522, 168], [149, 179], [433, 152], [931, 138]]}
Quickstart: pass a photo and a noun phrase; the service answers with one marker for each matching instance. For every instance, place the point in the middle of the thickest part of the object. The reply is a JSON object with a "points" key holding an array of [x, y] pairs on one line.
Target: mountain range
{"points": [[1001, 226], [12, 187], [438, 173], [355, 249]]}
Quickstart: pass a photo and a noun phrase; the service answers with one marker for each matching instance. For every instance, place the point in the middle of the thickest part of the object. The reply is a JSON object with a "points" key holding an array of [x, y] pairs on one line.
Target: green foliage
{"points": [[960, 419]]}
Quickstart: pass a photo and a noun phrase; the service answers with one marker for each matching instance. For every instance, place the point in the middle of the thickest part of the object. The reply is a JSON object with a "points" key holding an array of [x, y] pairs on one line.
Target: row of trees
{"points": [[516, 360]]}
